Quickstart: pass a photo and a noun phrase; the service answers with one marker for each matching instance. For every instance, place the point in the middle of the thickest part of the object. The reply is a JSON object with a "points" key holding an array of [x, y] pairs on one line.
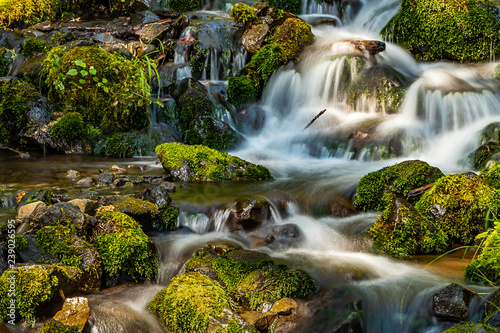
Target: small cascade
{"points": [[220, 220], [181, 55], [197, 222], [317, 7]]}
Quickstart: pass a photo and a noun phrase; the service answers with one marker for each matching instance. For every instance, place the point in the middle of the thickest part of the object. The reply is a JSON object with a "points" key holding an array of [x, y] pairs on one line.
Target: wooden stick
{"points": [[314, 119]]}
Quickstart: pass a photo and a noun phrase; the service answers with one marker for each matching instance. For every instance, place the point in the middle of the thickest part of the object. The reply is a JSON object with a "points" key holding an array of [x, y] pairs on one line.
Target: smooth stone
{"points": [[284, 306], [75, 312], [34, 208]]}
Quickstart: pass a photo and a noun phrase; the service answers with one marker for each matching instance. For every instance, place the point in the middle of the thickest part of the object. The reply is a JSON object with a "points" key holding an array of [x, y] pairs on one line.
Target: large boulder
{"points": [[200, 163], [452, 302], [457, 30], [64, 213]]}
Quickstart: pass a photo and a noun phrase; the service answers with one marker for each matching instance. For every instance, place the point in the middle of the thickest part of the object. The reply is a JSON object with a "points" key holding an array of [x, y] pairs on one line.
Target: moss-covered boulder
{"points": [[35, 286], [26, 12], [402, 231], [200, 163], [459, 30], [458, 204], [144, 212], [492, 176], [486, 267], [398, 179], [116, 89], [193, 303], [470, 327], [253, 277], [124, 247], [16, 99], [71, 250]]}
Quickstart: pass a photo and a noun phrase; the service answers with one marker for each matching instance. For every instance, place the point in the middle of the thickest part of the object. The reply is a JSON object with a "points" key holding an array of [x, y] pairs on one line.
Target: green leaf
{"points": [[105, 89], [96, 80], [104, 80], [72, 72], [84, 72], [80, 63], [92, 71], [82, 81], [99, 84]]}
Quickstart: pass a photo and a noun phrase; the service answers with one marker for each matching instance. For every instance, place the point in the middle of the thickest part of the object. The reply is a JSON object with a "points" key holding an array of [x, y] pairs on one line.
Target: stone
{"points": [[75, 312], [151, 31], [23, 228], [247, 214], [356, 47], [253, 38], [34, 254], [284, 306], [452, 302], [65, 212], [72, 174], [265, 320], [87, 181], [169, 186], [36, 208], [105, 39], [105, 178], [157, 195], [46, 26], [143, 17], [86, 206], [117, 169]]}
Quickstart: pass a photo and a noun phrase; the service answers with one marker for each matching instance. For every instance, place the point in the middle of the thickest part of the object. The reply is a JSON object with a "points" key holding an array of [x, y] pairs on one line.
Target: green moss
{"points": [[134, 206], [183, 5], [39, 195], [109, 91], [208, 164], [458, 204], [243, 14], [69, 127], [123, 246], [60, 241], [469, 327], [26, 12], [241, 91], [32, 45], [455, 29], [256, 281], [398, 179], [401, 231], [53, 326], [169, 217], [14, 108], [233, 327], [496, 71], [293, 6], [128, 144], [35, 285], [197, 62], [189, 301], [21, 242], [486, 267], [492, 176]]}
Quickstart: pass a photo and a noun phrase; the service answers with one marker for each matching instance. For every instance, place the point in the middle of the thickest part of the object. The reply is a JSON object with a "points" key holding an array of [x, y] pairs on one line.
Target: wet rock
{"points": [[141, 211], [485, 153], [491, 314], [452, 302], [143, 18], [46, 26], [138, 49], [35, 209], [64, 212], [87, 181], [75, 312], [248, 214], [168, 186], [23, 228], [105, 178], [168, 73], [265, 320], [31, 68], [34, 254], [284, 306], [72, 174], [6, 60], [157, 195], [253, 38], [117, 169], [152, 31], [86, 206], [105, 39]]}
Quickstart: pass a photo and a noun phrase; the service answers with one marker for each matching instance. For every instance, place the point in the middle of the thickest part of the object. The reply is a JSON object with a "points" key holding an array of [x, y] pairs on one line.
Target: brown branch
{"points": [[314, 119]]}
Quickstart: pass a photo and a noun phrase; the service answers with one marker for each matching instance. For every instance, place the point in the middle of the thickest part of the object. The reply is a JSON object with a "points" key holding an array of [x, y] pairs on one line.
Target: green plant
{"points": [[69, 127], [60, 241], [241, 90], [27, 12], [461, 30], [32, 45], [242, 13], [21, 242], [169, 217]]}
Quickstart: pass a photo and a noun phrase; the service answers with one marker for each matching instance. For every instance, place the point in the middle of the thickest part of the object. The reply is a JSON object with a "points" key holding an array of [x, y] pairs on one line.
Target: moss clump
{"points": [[69, 127], [398, 179], [492, 176], [128, 144], [26, 12], [401, 231], [32, 45], [123, 246], [243, 14], [169, 217], [205, 164], [455, 29], [183, 5], [458, 204], [241, 91], [106, 89], [14, 106], [189, 302], [133, 206], [233, 327], [255, 281], [60, 241], [293, 6], [470, 328], [20, 242], [486, 267], [54, 326], [35, 285]]}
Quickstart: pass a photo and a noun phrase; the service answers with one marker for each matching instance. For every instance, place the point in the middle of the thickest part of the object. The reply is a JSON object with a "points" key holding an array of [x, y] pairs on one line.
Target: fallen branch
{"points": [[314, 119]]}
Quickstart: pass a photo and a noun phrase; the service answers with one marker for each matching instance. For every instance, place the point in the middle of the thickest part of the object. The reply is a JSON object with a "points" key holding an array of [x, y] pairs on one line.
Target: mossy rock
{"points": [[470, 327], [484, 154], [401, 231], [459, 30], [486, 267], [115, 95], [69, 127], [33, 45], [398, 179], [492, 176], [72, 250], [253, 277], [243, 14], [241, 91], [191, 303], [36, 286], [26, 12], [124, 247], [15, 100], [144, 212], [458, 204], [200, 163]]}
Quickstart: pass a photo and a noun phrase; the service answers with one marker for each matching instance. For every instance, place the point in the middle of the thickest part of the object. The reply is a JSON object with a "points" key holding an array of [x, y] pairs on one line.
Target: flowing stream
{"points": [[444, 109]]}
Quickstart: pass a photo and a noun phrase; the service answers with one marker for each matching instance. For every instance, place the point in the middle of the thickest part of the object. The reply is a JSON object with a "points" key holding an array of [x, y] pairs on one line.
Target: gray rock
{"points": [[64, 213], [152, 31], [452, 302], [105, 178], [143, 18], [105, 39], [34, 209], [158, 195], [34, 254], [248, 214], [253, 38]]}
